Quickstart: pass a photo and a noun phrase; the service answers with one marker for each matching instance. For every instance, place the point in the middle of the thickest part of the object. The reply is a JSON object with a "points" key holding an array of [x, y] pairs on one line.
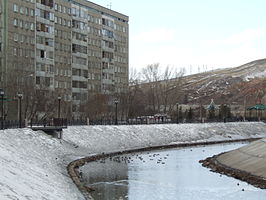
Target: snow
{"points": [[261, 74], [33, 164], [33, 167], [99, 139]]}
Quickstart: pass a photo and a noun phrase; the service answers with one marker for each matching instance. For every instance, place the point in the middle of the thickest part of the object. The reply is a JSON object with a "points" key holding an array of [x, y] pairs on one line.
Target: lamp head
{"points": [[2, 92]]}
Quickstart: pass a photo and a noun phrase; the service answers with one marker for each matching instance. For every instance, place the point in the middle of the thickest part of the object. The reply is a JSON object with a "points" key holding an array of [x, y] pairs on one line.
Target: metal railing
{"points": [[62, 122]]}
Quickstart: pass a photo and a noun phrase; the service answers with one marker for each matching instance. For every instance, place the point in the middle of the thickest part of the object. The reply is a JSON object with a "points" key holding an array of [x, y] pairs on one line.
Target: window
{"points": [[38, 80], [79, 48], [15, 7], [69, 11], [27, 11], [108, 55], [27, 53], [32, 26], [15, 22], [45, 14], [39, 39], [73, 11], [20, 23], [107, 33], [49, 3], [50, 55], [32, 40], [49, 42], [47, 81], [15, 51], [32, 54], [107, 22], [21, 10], [42, 54], [51, 16], [26, 25], [32, 12], [44, 28]]}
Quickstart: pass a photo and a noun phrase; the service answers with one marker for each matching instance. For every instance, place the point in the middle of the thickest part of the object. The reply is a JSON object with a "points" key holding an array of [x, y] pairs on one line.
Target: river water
{"points": [[173, 174]]}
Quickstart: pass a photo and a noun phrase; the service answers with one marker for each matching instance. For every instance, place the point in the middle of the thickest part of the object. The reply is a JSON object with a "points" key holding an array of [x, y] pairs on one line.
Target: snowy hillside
{"points": [[227, 85], [33, 165]]}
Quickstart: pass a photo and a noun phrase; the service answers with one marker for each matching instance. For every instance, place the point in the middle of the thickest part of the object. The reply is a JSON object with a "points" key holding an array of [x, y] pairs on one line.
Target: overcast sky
{"points": [[193, 33]]}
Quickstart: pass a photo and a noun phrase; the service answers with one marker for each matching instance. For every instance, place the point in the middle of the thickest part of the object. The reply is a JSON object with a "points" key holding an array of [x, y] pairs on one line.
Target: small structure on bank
{"points": [[211, 108], [259, 108], [55, 129]]}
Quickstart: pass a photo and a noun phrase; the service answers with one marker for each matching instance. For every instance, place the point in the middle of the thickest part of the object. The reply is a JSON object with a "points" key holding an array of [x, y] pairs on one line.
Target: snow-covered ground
{"points": [[33, 165], [99, 139]]}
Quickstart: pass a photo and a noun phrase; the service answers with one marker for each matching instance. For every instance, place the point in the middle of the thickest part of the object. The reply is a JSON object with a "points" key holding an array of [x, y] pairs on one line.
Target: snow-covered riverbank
{"points": [[112, 138], [33, 165]]}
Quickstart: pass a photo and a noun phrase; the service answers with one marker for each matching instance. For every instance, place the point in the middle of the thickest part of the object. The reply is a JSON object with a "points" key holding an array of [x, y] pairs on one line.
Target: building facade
{"points": [[67, 48]]}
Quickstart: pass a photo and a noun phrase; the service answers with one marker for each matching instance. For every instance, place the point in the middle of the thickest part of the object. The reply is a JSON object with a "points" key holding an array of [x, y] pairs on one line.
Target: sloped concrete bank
{"points": [[247, 163], [73, 167]]}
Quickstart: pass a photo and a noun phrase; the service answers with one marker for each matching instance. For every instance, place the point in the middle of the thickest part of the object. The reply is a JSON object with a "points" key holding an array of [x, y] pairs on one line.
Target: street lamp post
{"points": [[59, 105], [116, 102], [245, 102], [20, 113], [225, 112], [2, 93], [177, 116]]}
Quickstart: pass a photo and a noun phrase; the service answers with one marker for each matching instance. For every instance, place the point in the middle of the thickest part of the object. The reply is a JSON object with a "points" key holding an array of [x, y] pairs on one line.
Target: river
{"points": [[171, 174]]}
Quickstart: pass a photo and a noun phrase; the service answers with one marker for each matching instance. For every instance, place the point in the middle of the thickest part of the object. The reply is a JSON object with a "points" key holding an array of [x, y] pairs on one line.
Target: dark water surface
{"points": [[173, 174]]}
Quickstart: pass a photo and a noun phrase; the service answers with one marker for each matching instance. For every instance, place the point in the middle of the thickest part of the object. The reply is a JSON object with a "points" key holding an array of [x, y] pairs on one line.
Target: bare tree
{"points": [[97, 107], [134, 94], [154, 91], [162, 87], [151, 76], [170, 88], [37, 103]]}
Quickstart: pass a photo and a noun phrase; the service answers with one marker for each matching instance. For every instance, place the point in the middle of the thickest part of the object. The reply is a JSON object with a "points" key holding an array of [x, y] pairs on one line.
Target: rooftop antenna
{"points": [[110, 5]]}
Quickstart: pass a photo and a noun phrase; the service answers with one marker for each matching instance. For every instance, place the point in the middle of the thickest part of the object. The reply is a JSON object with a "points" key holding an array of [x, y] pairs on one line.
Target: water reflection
{"points": [[170, 174]]}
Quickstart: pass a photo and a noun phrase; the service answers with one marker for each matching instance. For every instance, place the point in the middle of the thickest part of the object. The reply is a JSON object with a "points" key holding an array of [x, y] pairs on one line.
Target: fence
{"points": [[12, 124]]}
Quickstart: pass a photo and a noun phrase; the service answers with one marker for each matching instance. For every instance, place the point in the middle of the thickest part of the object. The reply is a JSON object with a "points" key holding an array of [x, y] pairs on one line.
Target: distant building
{"points": [[68, 48]]}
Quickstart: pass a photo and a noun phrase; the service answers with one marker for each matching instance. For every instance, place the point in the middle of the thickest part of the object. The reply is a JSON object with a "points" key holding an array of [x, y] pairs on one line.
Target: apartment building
{"points": [[67, 48]]}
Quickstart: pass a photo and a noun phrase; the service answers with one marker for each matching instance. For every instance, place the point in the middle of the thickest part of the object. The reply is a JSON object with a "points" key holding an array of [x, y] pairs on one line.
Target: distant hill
{"points": [[230, 85]]}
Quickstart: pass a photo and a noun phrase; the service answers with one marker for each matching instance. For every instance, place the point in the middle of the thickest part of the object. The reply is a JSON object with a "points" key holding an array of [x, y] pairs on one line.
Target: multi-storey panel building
{"points": [[66, 48]]}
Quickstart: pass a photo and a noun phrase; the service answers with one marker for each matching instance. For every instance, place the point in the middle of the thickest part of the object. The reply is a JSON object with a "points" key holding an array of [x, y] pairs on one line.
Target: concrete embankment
{"points": [[247, 163], [73, 167], [104, 141]]}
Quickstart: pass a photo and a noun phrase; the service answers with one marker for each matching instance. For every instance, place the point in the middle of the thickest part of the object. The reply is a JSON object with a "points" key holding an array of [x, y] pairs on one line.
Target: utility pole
{"points": [[2, 93], [20, 112], [177, 116], [116, 102], [110, 5]]}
